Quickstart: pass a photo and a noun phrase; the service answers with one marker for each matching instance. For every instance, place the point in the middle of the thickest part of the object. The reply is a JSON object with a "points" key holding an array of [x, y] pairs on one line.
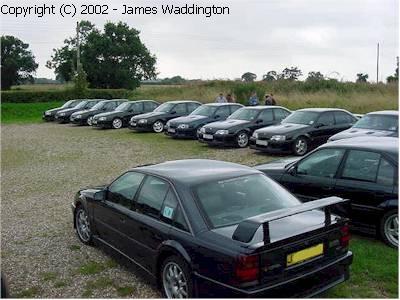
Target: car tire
{"points": [[158, 126], [89, 120], [242, 139], [389, 228], [176, 278], [82, 226], [117, 123], [300, 146]]}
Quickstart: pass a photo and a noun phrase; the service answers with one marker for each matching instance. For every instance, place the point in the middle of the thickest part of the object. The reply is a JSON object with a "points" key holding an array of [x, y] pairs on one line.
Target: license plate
{"points": [[172, 130], [208, 136], [262, 143], [305, 254]]}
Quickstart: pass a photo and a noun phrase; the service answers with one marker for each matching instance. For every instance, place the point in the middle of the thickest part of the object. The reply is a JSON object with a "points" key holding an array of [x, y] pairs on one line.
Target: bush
{"points": [[243, 91], [22, 96]]}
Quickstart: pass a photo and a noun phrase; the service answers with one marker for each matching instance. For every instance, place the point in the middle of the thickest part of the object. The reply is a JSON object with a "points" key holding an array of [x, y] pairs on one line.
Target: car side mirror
{"points": [[259, 121], [100, 195], [217, 116], [318, 125], [173, 112], [292, 170]]}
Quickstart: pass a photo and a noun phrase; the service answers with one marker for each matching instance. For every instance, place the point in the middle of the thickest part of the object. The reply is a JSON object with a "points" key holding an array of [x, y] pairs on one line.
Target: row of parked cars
{"points": [[211, 228]]}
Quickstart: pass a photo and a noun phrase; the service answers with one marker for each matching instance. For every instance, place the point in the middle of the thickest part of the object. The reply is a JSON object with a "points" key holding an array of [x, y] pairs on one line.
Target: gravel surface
{"points": [[43, 165]]}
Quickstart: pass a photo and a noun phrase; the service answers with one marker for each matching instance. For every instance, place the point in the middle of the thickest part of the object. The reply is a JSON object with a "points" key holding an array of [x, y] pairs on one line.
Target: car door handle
{"points": [[122, 220], [327, 188]]}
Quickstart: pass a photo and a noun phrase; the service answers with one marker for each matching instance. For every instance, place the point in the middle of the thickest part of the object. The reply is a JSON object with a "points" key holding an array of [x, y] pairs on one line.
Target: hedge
{"points": [[20, 96]]}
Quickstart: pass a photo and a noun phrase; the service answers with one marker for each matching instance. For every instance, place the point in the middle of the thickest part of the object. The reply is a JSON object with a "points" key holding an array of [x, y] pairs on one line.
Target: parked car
{"points": [[85, 117], [361, 169], [188, 126], [238, 127], [377, 123], [155, 121], [120, 117], [63, 116], [49, 115], [303, 130], [212, 228]]}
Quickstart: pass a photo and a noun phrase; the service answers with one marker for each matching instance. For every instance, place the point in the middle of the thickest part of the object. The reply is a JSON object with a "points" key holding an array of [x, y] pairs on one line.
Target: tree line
{"points": [[114, 57]]}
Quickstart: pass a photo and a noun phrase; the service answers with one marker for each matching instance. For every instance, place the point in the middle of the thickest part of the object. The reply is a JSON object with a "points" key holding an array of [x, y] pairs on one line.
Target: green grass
{"points": [[124, 291], [25, 112], [74, 248], [27, 293], [49, 276], [93, 267]]}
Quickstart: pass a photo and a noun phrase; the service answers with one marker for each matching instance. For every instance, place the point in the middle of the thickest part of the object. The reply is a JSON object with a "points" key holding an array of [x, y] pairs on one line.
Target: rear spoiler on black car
{"points": [[247, 228]]}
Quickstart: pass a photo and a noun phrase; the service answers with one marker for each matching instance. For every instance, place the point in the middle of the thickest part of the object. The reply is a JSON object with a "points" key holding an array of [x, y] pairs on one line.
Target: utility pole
{"points": [[377, 64], [78, 49]]}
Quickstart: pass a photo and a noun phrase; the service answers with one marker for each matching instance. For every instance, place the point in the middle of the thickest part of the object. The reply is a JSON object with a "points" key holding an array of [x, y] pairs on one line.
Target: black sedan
{"points": [[361, 169], [377, 123], [85, 117], [49, 115], [188, 127], [303, 130], [63, 116], [155, 121], [211, 228], [120, 117], [238, 127]]}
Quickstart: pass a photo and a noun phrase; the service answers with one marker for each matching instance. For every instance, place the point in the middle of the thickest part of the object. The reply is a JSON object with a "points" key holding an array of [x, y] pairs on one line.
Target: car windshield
{"points": [[165, 107], [205, 110], [302, 117], [244, 114], [124, 106], [229, 202], [82, 104], [69, 104], [378, 122], [99, 105]]}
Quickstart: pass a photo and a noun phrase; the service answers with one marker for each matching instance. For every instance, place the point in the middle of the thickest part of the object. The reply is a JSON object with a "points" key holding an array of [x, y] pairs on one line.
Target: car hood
{"points": [[355, 132], [112, 114], [189, 119], [82, 112], [282, 128], [149, 115], [227, 124], [54, 110]]}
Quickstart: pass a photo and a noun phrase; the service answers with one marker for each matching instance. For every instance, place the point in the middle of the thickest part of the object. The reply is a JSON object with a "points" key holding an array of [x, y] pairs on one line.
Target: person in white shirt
{"points": [[220, 98]]}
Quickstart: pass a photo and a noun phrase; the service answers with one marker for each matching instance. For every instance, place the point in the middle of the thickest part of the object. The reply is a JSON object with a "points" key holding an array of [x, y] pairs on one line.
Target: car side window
{"points": [[192, 107], [326, 119], [180, 108], [361, 165], [110, 105], [322, 163], [149, 106], [266, 115], [223, 112], [385, 173], [137, 107], [342, 118], [90, 104], [280, 114], [151, 196], [171, 212], [234, 108], [124, 188]]}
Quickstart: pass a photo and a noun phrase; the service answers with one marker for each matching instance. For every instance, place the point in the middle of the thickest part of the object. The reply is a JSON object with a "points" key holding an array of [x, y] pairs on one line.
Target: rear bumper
{"points": [[302, 285], [272, 147]]}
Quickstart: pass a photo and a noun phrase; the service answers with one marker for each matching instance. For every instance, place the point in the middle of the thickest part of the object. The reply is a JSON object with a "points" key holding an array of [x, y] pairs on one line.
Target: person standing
{"points": [[230, 99], [220, 98], [269, 99], [253, 100]]}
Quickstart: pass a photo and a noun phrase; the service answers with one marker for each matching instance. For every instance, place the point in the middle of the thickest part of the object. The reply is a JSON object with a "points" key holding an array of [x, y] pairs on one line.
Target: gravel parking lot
{"points": [[43, 165]]}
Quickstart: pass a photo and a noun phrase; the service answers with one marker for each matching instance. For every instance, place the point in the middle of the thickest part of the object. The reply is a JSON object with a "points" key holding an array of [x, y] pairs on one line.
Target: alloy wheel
{"points": [[117, 123], [301, 146], [158, 126], [83, 226], [391, 228], [174, 281], [89, 121], [242, 140]]}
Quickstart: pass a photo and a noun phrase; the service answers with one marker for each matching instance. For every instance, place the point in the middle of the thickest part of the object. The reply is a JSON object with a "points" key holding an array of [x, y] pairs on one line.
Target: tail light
{"points": [[247, 268], [345, 238]]}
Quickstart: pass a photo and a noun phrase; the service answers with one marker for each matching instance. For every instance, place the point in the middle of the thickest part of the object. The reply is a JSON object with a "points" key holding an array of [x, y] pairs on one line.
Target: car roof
{"points": [[222, 104], [91, 100], [384, 144], [112, 100], [385, 113], [322, 109], [143, 100], [261, 107], [196, 171], [183, 101]]}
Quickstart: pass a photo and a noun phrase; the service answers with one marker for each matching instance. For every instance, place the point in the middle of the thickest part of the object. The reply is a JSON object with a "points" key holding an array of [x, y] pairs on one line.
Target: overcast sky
{"points": [[258, 36]]}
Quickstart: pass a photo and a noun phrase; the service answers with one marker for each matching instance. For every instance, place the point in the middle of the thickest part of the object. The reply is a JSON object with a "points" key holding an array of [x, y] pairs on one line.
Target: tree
{"points": [[291, 74], [270, 76], [249, 77], [395, 77], [112, 58], [315, 76], [17, 62], [361, 77]]}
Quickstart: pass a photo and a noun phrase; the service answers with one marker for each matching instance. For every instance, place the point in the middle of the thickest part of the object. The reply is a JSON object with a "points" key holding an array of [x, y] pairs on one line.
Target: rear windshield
{"points": [[244, 114], [228, 202], [302, 117], [378, 122]]}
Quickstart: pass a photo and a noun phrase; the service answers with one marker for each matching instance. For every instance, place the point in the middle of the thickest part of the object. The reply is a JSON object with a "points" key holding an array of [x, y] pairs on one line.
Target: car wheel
{"points": [[89, 121], [300, 146], [117, 123], [389, 228], [82, 225], [176, 279], [158, 126], [242, 139]]}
